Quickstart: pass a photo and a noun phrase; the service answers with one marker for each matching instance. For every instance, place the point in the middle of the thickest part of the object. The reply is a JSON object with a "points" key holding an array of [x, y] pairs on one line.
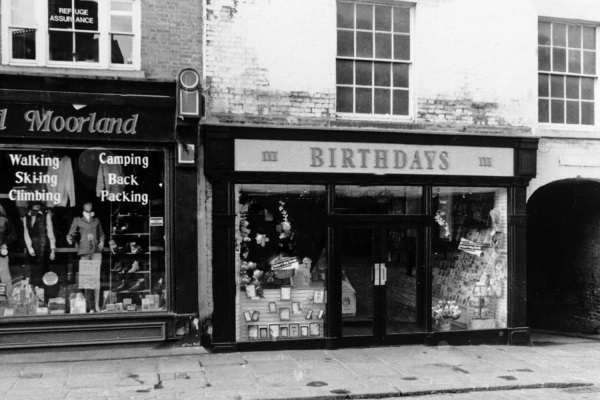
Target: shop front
{"points": [[87, 182], [327, 238]]}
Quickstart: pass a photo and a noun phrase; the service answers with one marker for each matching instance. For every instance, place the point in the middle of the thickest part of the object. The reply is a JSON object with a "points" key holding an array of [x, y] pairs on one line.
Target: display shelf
{"points": [[132, 232], [303, 297]]}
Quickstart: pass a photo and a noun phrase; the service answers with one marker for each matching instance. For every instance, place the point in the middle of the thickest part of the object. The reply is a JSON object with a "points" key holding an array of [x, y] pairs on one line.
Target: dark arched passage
{"points": [[563, 256]]}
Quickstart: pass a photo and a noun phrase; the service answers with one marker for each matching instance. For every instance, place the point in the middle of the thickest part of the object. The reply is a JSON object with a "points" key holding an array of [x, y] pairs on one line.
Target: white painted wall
{"points": [[295, 40], [485, 51]]}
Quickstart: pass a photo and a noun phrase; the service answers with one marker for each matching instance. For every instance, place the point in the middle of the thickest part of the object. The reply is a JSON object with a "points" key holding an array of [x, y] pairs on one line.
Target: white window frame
{"points": [[410, 62], [596, 109], [42, 45]]}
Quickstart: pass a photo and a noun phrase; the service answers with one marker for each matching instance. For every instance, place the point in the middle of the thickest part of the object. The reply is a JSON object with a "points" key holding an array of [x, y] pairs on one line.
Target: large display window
{"points": [[281, 262], [470, 255], [81, 231]]}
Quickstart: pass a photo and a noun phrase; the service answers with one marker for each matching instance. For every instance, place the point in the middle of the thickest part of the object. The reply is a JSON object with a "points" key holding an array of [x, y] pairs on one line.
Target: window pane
{"points": [[345, 15], [587, 113], [364, 44], [121, 5], [587, 88], [382, 101], [382, 74], [121, 49], [544, 33], [364, 101], [589, 38], [575, 61], [60, 14], [61, 46], [292, 220], [401, 20], [383, 45], [86, 47], [401, 47], [559, 35], [86, 15], [557, 86], [575, 36], [558, 111], [470, 281], [543, 85], [344, 100], [401, 75], [345, 72], [121, 23], [544, 58], [572, 112], [345, 43], [572, 87], [364, 73], [383, 18], [364, 16], [23, 44], [380, 200], [400, 102], [119, 234], [543, 110], [589, 62], [559, 59], [21, 14]]}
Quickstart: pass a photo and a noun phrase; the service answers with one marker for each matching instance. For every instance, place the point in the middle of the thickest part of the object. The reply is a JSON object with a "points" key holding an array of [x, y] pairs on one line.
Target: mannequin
{"points": [[91, 241], [6, 237], [38, 232]]}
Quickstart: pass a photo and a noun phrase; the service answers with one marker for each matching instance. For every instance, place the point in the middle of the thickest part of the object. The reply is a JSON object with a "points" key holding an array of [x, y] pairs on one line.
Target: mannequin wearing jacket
{"points": [[91, 240], [38, 232]]}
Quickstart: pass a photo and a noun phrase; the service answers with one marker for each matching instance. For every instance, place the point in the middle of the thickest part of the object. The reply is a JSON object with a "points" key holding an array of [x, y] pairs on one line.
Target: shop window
{"points": [[567, 73], [373, 59], [81, 231], [470, 256], [82, 33], [281, 262], [387, 200]]}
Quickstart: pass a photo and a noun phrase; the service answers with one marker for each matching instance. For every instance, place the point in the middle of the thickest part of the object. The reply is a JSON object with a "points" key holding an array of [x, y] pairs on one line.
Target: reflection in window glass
{"points": [[470, 256], [73, 30], [565, 48], [281, 261], [365, 37], [389, 200], [23, 44], [121, 49], [83, 231], [23, 29]]}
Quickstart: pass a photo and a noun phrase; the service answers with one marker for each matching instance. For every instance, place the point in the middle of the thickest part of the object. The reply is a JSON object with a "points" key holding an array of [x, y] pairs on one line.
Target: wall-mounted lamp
{"points": [[189, 101]]}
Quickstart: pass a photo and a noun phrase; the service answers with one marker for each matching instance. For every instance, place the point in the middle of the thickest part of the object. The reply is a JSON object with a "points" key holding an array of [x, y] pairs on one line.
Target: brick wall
{"points": [[257, 70], [171, 37]]}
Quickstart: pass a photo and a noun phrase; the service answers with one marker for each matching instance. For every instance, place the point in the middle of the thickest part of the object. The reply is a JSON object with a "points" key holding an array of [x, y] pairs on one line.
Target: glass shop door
{"points": [[382, 280]]}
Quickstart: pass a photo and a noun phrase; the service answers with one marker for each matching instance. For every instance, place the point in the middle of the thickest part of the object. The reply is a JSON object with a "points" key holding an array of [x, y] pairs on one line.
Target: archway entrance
{"points": [[563, 257]]}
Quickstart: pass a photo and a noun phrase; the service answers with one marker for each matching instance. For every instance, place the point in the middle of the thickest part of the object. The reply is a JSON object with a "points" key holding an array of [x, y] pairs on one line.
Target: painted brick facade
{"points": [[272, 63]]}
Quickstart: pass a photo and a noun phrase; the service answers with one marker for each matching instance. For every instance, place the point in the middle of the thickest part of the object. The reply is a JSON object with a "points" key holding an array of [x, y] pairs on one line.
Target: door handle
{"points": [[384, 271], [377, 274]]}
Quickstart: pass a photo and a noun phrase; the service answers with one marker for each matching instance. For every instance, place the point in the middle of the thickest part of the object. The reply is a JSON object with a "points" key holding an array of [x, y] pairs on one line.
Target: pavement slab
{"points": [[307, 374]]}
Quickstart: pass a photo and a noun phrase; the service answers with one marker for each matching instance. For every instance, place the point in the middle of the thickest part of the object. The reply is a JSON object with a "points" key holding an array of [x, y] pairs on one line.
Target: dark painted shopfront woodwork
{"points": [[389, 257], [148, 269]]}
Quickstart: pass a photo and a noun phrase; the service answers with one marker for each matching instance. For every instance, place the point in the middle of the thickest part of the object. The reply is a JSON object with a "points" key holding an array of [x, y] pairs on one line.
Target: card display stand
{"points": [[289, 315], [467, 280]]}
